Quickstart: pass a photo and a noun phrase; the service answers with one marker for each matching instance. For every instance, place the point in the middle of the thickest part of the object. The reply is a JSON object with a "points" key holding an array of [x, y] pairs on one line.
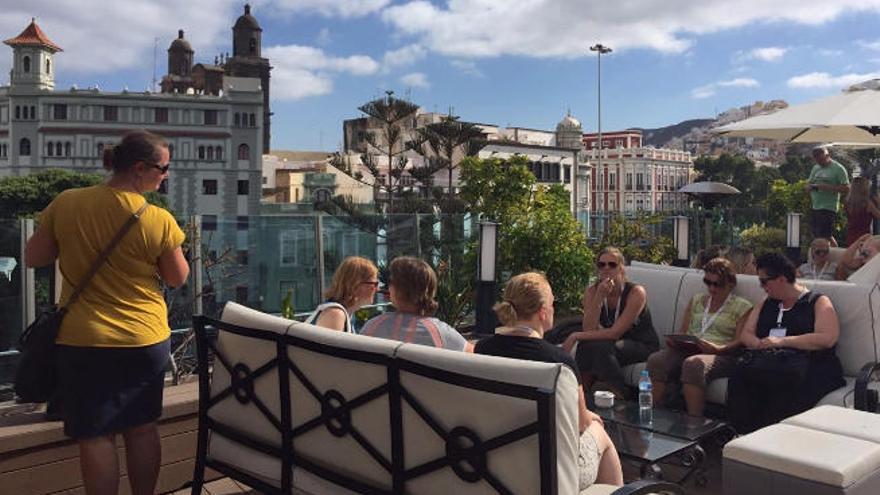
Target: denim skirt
{"points": [[105, 390]]}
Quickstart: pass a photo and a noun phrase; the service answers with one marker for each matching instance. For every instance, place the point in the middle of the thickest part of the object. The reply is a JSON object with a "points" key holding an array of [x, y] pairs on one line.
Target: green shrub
{"points": [[762, 239]]}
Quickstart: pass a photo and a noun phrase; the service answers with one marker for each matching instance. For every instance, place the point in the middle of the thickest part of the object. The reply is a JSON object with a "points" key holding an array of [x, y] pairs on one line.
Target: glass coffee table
{"points": [[671, 437]]}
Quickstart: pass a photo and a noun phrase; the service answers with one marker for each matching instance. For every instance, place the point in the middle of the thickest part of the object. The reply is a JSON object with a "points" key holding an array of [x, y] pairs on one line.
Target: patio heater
{"points": [[486, 286], [793, 238], [680, 228]]}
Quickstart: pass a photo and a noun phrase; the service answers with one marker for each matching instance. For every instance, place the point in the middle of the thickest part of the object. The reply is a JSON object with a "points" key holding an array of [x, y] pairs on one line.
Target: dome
{"points": [[247, 21], [180, 44], [568, 122]]}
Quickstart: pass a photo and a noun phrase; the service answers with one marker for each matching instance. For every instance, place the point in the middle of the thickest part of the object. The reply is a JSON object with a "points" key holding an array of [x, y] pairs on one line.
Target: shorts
{"points": [[588, 460], [105, 390], [822, 223]]}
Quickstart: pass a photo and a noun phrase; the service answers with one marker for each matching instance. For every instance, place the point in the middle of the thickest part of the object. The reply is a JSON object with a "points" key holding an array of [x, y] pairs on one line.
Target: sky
{"points": [[522, 63]]}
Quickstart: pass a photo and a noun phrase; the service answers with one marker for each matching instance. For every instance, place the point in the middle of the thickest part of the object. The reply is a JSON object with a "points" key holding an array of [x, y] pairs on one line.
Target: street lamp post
{"points": [[600, 50]]}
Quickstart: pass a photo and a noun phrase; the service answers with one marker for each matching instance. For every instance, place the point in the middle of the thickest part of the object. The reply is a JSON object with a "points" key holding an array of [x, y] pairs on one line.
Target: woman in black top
{"points": [[526, 312], [617, 329], [801, 328]]}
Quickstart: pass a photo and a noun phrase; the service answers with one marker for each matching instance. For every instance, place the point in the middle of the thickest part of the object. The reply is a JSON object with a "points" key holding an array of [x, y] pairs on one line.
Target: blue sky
{"points": [[507, 62]]}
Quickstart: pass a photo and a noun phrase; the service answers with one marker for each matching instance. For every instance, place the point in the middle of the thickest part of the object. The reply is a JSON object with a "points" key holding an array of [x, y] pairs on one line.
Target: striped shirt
{"points": [[413, 329]]}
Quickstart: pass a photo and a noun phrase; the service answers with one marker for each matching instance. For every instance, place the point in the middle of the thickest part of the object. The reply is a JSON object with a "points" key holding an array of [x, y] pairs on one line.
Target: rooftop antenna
{"points": [[155, 50]]}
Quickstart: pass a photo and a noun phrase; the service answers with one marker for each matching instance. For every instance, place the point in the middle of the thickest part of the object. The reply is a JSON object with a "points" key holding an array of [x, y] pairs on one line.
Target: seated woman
{"points": [[715, 320], [526, 311], [412, 287], [617, 328], [791, 364], [819, 266], [354, 285], [856, 255]]}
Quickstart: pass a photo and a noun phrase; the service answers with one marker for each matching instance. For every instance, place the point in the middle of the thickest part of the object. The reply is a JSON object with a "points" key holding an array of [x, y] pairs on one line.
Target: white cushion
{"points": [[662, 286], [818, 456], [598, 489], [841, 421], [515, 464], [331, 372]]}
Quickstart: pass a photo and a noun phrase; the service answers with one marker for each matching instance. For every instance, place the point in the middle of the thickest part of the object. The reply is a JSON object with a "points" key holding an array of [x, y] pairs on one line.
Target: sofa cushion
{"points": [[827, 458], [868, 274], [662, 287], [840, 421], [329, 371], [447, 387]]}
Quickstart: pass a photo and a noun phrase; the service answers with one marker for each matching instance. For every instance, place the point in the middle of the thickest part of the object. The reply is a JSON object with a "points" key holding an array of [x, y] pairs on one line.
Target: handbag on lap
{"points": [[35, 379]]}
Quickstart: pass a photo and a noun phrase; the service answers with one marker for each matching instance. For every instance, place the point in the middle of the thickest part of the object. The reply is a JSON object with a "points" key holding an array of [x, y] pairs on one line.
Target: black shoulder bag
{"points": [[35, 379]]}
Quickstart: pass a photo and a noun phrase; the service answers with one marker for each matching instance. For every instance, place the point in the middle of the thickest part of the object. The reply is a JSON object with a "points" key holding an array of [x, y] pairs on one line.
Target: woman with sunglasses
{"points": [[819, 266], [113, 344], [791, 364], [714, 319], [354, 285], [616, 330]]}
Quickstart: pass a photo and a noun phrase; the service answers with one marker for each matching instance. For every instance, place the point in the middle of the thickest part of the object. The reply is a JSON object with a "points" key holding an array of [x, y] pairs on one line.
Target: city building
{"points": [[630, 177], [215, 137]]}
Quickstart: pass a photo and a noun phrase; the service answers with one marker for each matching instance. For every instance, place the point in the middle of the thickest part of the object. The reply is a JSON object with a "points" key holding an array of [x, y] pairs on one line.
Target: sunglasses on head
{"points": [[609, 264], [713, 283]]}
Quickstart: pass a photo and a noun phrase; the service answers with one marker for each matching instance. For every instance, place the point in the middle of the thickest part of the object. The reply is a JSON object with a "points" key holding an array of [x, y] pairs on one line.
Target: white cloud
{"points": [[869, 45], [825, 80], [404, 56], [565, 28], [710, 90], [825, 52], [304, 71], [467, 67], [415, 80], [768, 54], [740, 82], [332, 8]]}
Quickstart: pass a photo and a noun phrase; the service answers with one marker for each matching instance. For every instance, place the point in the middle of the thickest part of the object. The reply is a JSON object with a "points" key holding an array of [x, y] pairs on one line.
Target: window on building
{"points": [[241, 257], [26, 64], [170, 151], [3, 150], [160, 115], [48, 66], [640, 182], [629, 181], [24, 147], [611, 184], [243, 186], [288, 246], [67, 147], [33, 112], [237, 119], [218, 152], [209, 187], [210, 117], [244, 152], [241, 294], [201, 152], [17, 112], [322, 196], [253, 120], [567, 174], [210, 152], [111, 113], [209, 222], [58, 148], [241, 222], [252, 46], [50, 149], [100, 148], [59, 111]]}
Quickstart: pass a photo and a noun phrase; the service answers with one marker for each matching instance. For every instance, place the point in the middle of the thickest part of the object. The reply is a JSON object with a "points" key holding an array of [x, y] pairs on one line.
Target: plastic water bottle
{"points": [[646, 400]]}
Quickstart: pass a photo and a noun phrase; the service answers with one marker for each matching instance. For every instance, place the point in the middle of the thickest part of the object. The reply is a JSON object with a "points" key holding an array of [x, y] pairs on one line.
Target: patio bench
{"points": [[286, 407]]}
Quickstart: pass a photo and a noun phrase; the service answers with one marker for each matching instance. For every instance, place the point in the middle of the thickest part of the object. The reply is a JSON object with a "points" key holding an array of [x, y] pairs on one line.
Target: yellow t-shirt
{"points": [[123, 305]]}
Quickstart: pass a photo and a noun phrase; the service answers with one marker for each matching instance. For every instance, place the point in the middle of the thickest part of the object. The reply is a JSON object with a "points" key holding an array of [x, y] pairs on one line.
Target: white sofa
{"points": [[287, 407], [858, 307]]}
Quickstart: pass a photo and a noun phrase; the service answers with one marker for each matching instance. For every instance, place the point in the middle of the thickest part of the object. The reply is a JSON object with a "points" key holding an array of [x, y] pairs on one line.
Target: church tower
{"points": [[180, 62], [569, 133], [246, 61], [33, 65]]}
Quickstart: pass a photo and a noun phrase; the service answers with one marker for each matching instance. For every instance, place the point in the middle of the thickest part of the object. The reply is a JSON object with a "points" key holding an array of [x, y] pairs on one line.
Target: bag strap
{"points": [[102, 257]]}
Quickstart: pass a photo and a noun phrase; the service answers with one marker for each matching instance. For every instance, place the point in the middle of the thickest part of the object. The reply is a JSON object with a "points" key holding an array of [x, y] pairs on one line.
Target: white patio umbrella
{"points": [[851, 117]]}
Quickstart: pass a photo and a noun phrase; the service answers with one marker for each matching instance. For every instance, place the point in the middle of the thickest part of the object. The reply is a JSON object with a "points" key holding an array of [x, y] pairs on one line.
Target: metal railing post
{"points": [[319, 253], [28, 285], [196, 264]]}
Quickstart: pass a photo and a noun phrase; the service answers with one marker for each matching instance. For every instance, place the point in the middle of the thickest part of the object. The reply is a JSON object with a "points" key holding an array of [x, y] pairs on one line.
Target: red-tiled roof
{"points": [[33, 35]]}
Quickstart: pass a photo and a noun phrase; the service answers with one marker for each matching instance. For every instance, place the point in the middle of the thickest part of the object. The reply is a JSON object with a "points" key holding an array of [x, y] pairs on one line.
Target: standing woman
{"points": [[354, 285], [113, 342], [617, 328], [861, 209]]}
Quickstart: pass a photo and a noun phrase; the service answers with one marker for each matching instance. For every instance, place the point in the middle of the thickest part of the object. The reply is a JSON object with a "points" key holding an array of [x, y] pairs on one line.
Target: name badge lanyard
{"points": [[616, 310], [707, 322]]}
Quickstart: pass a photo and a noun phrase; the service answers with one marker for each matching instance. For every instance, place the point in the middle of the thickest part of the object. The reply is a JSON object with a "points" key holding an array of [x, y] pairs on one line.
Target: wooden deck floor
{"points": [[223, 486]]}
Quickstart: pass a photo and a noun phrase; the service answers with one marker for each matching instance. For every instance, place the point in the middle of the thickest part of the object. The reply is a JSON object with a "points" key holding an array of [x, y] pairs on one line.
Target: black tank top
{"points": [[799, 320], [642, 329]]}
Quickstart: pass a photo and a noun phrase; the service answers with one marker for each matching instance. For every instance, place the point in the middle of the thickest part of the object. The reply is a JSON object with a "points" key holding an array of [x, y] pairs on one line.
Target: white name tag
{"points": [[778, 332]]}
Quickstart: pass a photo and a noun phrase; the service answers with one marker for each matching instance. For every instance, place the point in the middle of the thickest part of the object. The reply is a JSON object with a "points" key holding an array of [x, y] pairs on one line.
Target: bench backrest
{"points": [[857, 305], [290, 404]]}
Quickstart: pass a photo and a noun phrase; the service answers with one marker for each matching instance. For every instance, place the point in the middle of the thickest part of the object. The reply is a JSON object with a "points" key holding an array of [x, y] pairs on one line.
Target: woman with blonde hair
{"points": [[617, 329], [526, 312], [861, 209], [354, 285]]}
